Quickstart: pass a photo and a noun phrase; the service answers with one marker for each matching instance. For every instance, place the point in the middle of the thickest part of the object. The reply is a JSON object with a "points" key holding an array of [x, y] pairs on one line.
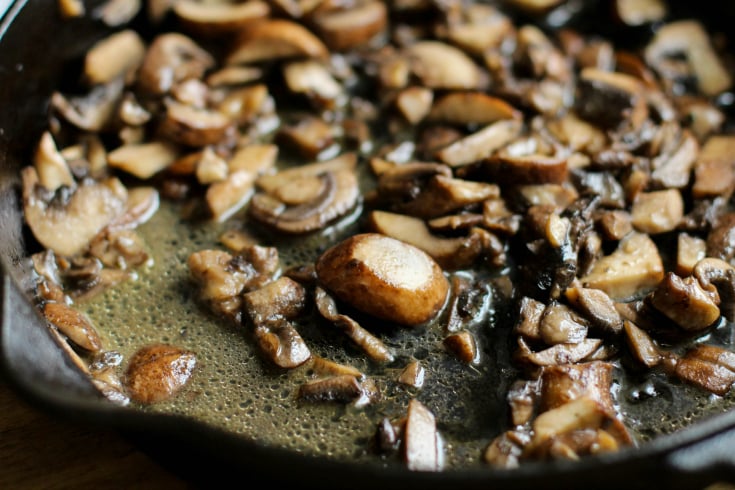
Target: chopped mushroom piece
{"points": [[218, 19], [52, 169], [714, 170], [93, 111], [73, 324], [343, 388], [272, 39], [158, 372], [597, 307], [464, 346], [413, 375], [610, 99], [170, 59], [559, 324], [689, 251], [414, 103], [567, 382], [226, 197], [422, 447], [466, 108], [350, 28], [480, 144], [442, 66], [117, 55], [719, 274], [143, 160], [557, 354], [638, 12], [643, 347], [715, 377], [685, 302]]}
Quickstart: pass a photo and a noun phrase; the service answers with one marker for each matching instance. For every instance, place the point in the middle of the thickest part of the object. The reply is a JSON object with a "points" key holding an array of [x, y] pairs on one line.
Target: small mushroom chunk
{"points": [[466, 108], [559, 324], [143, 160], [422, 449], [673, 169], [384, 277], [313, 79], [192, 126], [522, 170], [634, 268], [709, 368], [269, 309], [343, 388], [93, 111], [556, 354], [529, 318], [690, 250], [308, 197], [172, 58], [443, 195], [310, 137], [372, 345], [639, 12], [218, 19], [52, 169], [117, 55], [322, 366], [414, 103], [522, 398], [352, 27], [610, 99], [615, 224], [567, 382], [597, 307], [74, 324], [714, 170], [67, 224], [719, 274], [505, 451], [480, 144], [157, 372], [412, 375], [450, 253], [273, 39], [721, 238], [685, 302], [642, 346], [115, 13], [442, 66], [463, 346]]}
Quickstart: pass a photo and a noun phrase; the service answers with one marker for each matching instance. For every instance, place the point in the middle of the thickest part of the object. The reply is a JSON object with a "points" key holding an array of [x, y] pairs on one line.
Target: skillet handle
{"points": [[711, 459]]}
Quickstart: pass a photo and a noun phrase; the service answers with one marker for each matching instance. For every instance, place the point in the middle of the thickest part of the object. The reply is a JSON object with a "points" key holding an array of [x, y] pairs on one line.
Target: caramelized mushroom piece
{"points": [[343, 388], [413, 375], [466, 108], [384, 277], [75, 325], [170, 59], [349, 28], [143, 160], [441, 66], [158, 372], [218, 19], [597, 307], [714, 170], [708, 367], [273, 39], [685, 302], [642, 346], [464, 346]]}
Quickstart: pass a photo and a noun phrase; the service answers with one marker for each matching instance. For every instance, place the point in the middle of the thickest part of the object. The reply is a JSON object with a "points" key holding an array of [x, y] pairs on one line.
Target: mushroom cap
{"points": [[384, 277]]}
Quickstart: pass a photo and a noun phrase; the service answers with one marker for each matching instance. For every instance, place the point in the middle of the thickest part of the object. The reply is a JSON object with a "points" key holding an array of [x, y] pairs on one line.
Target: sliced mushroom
{"points": [[480, 144], [559, 324], [67, 225], [115, 13], [158, 372], [689, 251], [568, 382], [343, 388], [450, 253], [345, 29], [716, 377], [597, 307], [311, 137], [685, 302], [422, 449], [51, 167], [711, 272], [610, 99], [193, 126], [463, 346], [384, 277], [274, 39], [714, 170], [117, 55], [441, 66], [414, 103], [466, 108], [557, 354], [143, 160], [639, 12], [219, 19], [227, 197], [92, 112], [313, 79], [444, 195], [642, 346], [75, 325], [633, 269], [412, 375], [658, 211], [171, 58]]}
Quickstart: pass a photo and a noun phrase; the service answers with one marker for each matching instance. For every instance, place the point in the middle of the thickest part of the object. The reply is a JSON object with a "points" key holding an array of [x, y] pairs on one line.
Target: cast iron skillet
{"points": [[36, 48]]}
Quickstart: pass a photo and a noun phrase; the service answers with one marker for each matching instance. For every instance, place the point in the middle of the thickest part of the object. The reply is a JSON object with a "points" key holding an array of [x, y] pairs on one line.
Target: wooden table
{"points": [[37, 451]]}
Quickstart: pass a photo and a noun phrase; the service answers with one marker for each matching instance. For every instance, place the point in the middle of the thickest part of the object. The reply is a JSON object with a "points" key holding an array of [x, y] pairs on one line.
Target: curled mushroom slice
{"points": [[158, 372], [372, 345], [117, 55], [336, 193], [218, 19], [275, 39], [450, 253], [170, 59], [75, 325], [444, 195], [441, 66], [657, 211], [67, 224], [463, 346], [384, 277], [345, 29]]}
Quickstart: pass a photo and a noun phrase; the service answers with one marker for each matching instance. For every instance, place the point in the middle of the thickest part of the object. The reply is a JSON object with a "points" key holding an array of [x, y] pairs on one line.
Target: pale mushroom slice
{"points": [[714, 169], [450, 253], [634, 268], [442, 66], [274, 39], [226, 197], [313, 79], [689, 38], [422, 446], [639, 12], [658, 211], [219, 18], [116, 13], [143, 160], [480, 144], [118, 55], [271, 182], [343, 29], [93, 111], [469, 107], [53, 170], [482, 27], [171, 58], [414, 103], [67, 226]]}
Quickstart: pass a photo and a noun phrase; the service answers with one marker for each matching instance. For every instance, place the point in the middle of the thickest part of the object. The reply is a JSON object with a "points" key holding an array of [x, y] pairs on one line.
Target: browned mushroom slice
{"points": [[369, 343], [525, 169], [638, 12], [270, 183], [193, 126], [384, 277], [68, 227], [522, 398], [714, 170], [414, 103], [422, 450], [690, 250], [211, 167], [230, 76], [52, 169], [529, 318], [674, 169], [641, 345], [557, 354], [313, 79], [143, 160], [412, 375], [115, 13], [577, 134], [614, 224], [103, 370], [633, 269], [91, 112], [610, 99], [564, 383], [711, 272], [71, 8], [597, 307], [480, 144], [310, 136], [343, 388], [443, 195], [75, 325], [450, 253], [275, 39], [706, 369], [441, 66], [559, 324], [121, 249], [227, 197], [463, 346], [480, 28], [158, 372], [170, 59], [689, 38], [581, 413], [466, 108], [115, 56], [347, 28], [322, 366], [685, 302], [217, 19]]}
